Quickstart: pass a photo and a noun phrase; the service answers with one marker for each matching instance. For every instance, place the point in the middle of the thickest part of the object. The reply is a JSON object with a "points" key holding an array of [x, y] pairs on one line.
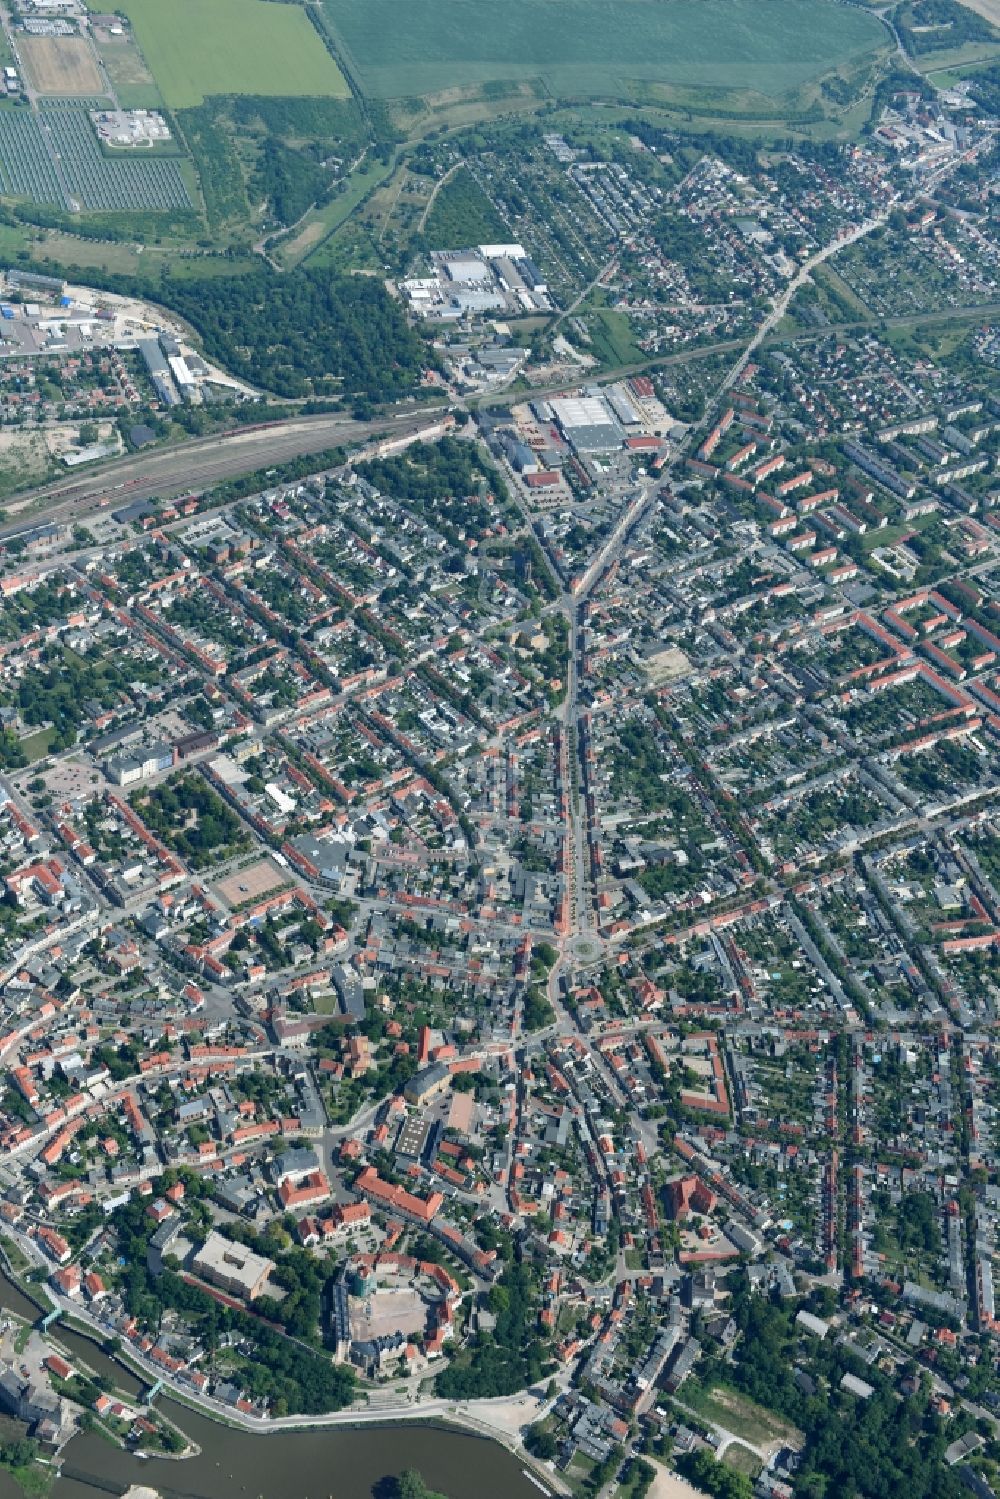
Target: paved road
{"points": [[204, 461], [975, 312], [501, 1418], [200, 463], [799, 280]]}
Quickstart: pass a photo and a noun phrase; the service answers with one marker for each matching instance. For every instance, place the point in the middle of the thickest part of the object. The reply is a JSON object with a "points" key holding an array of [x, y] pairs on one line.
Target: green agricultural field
{"points": [[581, 48], [196, 48]]}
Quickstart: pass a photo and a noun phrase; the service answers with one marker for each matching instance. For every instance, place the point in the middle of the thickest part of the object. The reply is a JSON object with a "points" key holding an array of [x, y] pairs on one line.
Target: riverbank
{"points": [[348, 1464], [402, 1432], [501, 1419]]}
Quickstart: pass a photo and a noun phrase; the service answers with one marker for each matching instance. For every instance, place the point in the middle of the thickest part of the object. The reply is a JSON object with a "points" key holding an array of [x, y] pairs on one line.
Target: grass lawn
{"points": [[888, 536], [17, 1261], [742, 1459], [199, 47], [70, 249], [692, 111], [738, 1414], [132, 80], [128, 258], [612, 338], [36, 746], [948, 75], [972, 53], [34, 1479], [320, 223], [828, 278], [940, 342], [578, 1472], [595, 47]]}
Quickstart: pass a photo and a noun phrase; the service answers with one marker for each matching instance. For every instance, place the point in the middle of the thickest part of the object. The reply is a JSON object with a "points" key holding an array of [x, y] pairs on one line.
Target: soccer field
{"points": [[596, 47], [195, 48]]}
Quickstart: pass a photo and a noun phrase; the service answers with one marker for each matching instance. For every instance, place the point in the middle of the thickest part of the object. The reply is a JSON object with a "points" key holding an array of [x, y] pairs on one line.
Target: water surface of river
{"points": [[232, 1464]]}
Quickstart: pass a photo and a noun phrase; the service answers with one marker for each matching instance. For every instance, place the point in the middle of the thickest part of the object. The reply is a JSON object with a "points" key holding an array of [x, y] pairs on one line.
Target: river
{"points": [[304, 1465], [234, 1464]]}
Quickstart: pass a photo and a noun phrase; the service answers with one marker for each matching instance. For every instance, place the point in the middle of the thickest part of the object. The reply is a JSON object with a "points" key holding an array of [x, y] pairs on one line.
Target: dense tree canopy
{"points": [[510, 1356], [283, 1371], [309, 332], [288, 180], [874, 1449]]}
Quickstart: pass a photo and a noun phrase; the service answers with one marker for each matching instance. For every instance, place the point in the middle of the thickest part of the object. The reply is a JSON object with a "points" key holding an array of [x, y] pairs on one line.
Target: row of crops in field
{"points": [[53, 156]]}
